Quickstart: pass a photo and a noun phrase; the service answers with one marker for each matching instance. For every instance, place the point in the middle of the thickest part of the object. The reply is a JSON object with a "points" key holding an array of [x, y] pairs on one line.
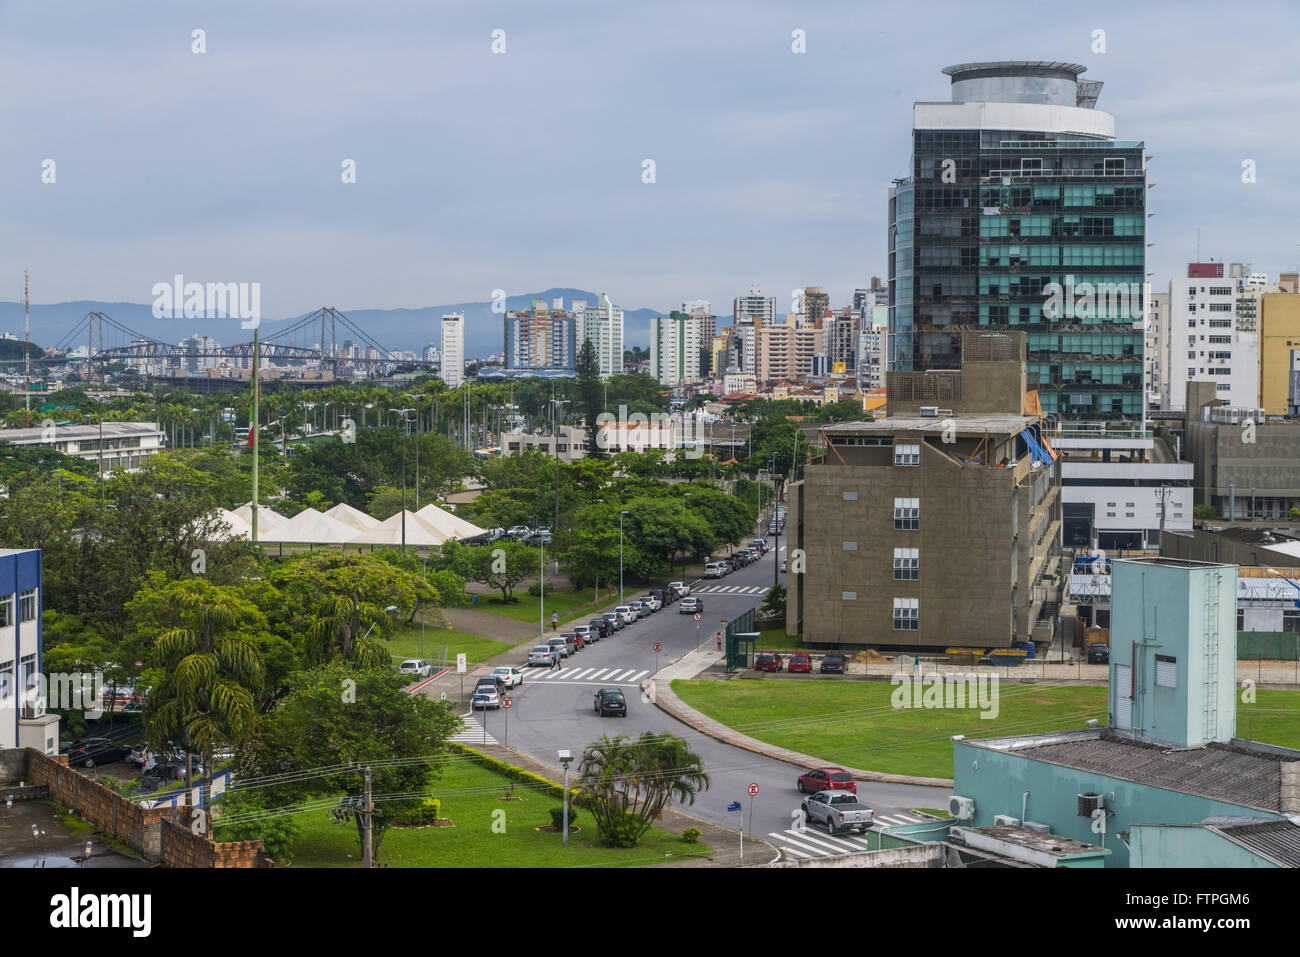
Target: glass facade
{"points": [[1044, 232]]}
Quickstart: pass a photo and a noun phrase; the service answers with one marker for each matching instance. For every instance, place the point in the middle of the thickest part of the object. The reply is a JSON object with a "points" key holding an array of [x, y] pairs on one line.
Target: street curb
{"points": [[690, 716]]}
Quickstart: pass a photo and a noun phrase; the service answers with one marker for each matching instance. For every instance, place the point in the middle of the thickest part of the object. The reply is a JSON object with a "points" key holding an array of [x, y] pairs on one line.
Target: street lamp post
{"points": [[416, 397], [620, 555], [402, 414], [556, 412], [565, 758]]}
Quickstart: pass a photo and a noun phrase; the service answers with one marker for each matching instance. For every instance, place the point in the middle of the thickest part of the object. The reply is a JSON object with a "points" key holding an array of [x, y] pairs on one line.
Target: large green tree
{"points": [[628, 784]]}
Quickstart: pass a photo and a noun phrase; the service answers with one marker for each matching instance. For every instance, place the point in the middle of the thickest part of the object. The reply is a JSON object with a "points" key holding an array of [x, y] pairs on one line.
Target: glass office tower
{"points": [[1024, 212]]}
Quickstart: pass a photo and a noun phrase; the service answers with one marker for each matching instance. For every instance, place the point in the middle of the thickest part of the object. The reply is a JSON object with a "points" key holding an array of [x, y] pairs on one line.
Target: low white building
{"points": [[115, 445]]}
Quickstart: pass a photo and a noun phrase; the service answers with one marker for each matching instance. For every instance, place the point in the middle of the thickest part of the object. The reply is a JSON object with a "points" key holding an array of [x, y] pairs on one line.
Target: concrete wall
{"points": [[917, 855], [1222, 457]]}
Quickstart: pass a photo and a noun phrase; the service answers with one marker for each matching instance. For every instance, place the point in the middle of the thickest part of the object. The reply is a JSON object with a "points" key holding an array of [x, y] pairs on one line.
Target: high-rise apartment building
{"points": [[785, 350], [602, 323], [1207, 340], [816, 303], [1155, 352], [675, 344], [540, 339], [754, 305], [1023, 211], [453, 349]]}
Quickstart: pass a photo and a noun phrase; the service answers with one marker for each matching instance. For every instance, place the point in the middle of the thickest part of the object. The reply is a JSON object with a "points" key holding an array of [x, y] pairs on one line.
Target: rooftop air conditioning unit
{"points": [[1087, 803], [1038, 826], [962, 808], [1005, 820], [34, 709], [929, 411]]}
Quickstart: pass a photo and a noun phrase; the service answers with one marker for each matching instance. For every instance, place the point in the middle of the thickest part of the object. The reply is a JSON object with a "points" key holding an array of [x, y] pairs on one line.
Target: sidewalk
{"points": [[690, 666], [723, 840]]}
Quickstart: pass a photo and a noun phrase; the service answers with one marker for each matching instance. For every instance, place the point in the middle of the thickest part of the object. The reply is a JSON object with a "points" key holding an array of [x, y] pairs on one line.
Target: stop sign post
{"points": [[506, 703], [658, 648], [753, 793]]}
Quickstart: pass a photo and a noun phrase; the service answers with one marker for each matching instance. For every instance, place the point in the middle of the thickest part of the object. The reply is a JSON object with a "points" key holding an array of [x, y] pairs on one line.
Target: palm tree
{"points": [[338, 632], [629, 784], [213, 672]]}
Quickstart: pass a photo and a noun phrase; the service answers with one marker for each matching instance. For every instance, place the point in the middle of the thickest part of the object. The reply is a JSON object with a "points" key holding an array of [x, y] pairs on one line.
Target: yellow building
{"points": [[1279, 337]]}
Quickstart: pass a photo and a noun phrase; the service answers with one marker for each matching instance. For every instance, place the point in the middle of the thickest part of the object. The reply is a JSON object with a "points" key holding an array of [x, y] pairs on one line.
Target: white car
{"points": [[625, 613], [683, 589], [417, 667], [511, 676], [542, 655], [713, 570], [651, 602]]}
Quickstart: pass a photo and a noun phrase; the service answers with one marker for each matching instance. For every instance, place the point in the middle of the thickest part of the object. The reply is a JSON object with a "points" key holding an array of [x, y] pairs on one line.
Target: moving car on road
{"points": [[511, 676], [485, 699], [611, 701], [838, 811], [690, 606], [542, 655], [826, 779]]}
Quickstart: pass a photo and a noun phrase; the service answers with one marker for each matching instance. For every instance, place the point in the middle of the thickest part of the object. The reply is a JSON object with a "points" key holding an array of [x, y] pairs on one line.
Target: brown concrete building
{"points": [[783, 352], [937, 526]]}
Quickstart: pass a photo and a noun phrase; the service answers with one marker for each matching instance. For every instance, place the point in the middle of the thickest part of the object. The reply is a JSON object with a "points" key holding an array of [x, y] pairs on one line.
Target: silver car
{"points": [[542, 655]]}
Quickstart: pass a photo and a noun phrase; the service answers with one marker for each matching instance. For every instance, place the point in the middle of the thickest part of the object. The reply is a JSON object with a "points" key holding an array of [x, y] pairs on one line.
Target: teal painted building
{"points": [[1168, 759]]}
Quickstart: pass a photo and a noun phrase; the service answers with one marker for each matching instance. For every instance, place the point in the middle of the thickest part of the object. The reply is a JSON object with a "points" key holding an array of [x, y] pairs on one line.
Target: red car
{"points": [[767, 661], [800, 662], [826, 779], [578, 643]]}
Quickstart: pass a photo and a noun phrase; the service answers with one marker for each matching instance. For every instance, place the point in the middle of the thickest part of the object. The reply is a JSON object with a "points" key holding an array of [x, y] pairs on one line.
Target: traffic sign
{"points": [[733, 806], [658, 647], [753, 788], [507, 703], [461, 664], [697, 616]]}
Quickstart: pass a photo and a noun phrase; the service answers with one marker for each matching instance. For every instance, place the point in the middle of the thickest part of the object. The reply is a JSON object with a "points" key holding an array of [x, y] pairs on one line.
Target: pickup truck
{"points": [[839, 811]]}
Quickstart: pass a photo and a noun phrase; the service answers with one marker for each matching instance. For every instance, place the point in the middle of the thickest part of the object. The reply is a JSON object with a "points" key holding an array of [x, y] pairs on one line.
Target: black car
{"points": [[662, 594], [599, 626], [611, 701], [833, 663], [1099, 653], [89, 752], [492, 683]]}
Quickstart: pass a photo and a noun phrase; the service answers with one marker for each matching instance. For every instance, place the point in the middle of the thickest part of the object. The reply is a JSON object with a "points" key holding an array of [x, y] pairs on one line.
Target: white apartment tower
{"points": [[602, 323], [1207, 340], [453, 349]]}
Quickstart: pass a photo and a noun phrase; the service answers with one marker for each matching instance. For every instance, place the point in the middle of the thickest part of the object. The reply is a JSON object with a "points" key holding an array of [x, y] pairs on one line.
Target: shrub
{"points": [[422, 815], [557, 816], [1206, 513], [535, 589], [691, 835]]}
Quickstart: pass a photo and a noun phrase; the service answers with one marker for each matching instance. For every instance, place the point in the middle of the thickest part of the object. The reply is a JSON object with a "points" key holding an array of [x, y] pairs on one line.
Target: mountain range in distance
{"points": [[386, 328]]}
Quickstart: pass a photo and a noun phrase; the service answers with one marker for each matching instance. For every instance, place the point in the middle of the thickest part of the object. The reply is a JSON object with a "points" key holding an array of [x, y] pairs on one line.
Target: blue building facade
{"points": [[21, 651]]}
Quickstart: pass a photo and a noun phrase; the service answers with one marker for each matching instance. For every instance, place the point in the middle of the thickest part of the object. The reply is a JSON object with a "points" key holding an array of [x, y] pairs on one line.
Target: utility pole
{"points": [[367, 854], [27, 355]]}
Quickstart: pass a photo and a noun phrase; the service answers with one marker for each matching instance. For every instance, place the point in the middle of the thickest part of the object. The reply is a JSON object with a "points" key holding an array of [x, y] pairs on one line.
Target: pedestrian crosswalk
{"points": [[601, 676], [473, 733], [802, 843], [731, 590]]}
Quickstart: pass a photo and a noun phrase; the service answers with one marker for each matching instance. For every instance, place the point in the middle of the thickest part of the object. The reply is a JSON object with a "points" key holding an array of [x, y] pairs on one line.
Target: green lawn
{"points": [[470, 795], [853, 723], [571, 605], [405, 643]]}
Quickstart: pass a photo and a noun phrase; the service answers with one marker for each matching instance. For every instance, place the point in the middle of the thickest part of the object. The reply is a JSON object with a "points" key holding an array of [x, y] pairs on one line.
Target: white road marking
{"points": [[627, 674], [825, 840], [814, 849], [580, 674]]}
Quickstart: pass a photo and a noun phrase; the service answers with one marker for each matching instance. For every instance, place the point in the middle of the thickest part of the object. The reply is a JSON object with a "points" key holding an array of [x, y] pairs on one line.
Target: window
{"points": [[850, 496], [907, 564], [6, 611], [6, 679], [907, 455], [905, 614], [848, 596], [1166, 671], [27, 605], [1291, 620], [1241, 619], [907, 514], [850, 546]]}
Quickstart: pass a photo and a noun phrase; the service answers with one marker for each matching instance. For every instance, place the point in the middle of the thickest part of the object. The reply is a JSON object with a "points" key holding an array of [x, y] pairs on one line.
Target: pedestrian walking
{"points": [[555, 620], [555, 659]]}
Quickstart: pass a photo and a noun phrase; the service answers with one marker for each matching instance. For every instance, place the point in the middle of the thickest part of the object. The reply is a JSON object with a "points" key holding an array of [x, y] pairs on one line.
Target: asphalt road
{"points": [[554, 710]]}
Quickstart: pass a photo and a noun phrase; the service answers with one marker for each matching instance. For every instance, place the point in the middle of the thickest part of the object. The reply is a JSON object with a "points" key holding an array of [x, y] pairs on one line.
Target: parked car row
{"points": [[832, 663], [609, 623]]}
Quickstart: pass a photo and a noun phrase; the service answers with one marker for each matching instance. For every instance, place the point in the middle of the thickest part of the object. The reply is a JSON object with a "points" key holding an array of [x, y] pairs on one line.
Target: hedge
{"points": [[535, 782]]}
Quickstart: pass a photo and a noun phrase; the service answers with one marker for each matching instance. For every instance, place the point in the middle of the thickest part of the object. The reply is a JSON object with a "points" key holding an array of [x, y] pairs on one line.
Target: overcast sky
{"points": [[521, 171]]}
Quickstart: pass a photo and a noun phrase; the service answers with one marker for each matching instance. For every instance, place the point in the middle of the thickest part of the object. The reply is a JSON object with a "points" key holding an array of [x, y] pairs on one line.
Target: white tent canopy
{"points": [[235, 526], [419, 533], [448, 524], [357, 519], [267, 518], [310, 527]]}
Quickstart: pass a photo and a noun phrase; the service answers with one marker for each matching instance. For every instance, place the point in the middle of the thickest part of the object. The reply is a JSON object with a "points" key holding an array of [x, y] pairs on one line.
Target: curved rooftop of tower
{"points": [[1050, 82]]}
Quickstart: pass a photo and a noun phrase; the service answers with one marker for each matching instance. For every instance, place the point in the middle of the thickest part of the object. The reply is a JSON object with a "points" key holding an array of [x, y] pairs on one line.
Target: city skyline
{"points": [[785, 219]]}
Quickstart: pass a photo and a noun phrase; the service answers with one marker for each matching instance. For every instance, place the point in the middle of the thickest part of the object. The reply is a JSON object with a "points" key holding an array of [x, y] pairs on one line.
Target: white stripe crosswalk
{"points": [[473, 733], [731, 590], [804, 843], [605, 676]]}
